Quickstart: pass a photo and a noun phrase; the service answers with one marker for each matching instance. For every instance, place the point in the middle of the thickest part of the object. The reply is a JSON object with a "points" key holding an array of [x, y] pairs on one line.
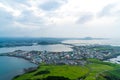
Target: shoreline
{"points": [[50, 48], [108, 60], [21, 54], [106, 51], [21, 58], [15, 68]]}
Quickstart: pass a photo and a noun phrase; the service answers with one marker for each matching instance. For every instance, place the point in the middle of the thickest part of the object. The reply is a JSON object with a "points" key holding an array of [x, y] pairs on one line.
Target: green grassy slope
{"points": [[71, 72], [97, 67], [91, 71]]}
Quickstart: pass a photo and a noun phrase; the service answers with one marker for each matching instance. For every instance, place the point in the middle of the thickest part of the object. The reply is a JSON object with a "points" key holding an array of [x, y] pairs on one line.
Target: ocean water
{"points": [[12, 66], [53, 48], [113, 42]]}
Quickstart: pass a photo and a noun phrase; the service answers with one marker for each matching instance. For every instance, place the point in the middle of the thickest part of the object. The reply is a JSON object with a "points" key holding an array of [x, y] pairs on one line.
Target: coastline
{"points": [[102, 52], [12, 66], [21, 58], [78, 54]]}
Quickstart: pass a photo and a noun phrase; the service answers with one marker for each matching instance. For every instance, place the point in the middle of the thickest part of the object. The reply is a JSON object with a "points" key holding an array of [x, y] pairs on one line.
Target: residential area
{"points": [[76, 57]]}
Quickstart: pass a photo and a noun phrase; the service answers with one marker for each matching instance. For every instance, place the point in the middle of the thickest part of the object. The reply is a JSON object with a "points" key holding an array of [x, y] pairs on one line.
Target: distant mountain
{"points": [[90, 38], [12, 42]]}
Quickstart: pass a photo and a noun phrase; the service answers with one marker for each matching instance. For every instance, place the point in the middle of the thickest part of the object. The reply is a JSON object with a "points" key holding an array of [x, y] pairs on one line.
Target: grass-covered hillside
{"points": [[94, 70]]}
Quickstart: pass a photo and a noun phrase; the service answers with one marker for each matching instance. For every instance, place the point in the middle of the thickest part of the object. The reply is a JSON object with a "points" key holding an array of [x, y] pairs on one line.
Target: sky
{"points": [[60, 18]]}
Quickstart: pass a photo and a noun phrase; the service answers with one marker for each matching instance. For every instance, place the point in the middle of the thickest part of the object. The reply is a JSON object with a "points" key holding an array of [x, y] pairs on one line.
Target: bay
{"points": [[12, 66], [52, 48]]}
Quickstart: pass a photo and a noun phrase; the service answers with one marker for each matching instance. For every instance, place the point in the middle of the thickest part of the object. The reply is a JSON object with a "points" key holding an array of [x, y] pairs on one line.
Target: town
{"points": [[76, 57]]}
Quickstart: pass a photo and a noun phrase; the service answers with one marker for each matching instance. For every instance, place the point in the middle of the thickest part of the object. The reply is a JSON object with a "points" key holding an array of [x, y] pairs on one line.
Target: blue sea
{"points": [[12, 66]]}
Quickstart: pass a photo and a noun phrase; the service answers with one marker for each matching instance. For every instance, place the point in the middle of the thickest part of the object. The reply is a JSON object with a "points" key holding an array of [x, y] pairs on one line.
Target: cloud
{"points": [[14, 3], [50, 5], [5, 18], [9, 9], [59, 18], [29, 18], [85, 18], [107, 10]]}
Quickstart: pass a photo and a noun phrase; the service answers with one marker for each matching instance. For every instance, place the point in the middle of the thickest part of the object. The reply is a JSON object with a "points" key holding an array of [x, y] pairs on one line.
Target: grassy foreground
{"points": [[95, 70]]}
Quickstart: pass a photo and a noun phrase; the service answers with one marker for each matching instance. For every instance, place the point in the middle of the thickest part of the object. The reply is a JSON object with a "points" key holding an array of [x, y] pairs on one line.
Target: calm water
{"points": [[115, 60], [11, 66], [113, 42], [53, 48]]}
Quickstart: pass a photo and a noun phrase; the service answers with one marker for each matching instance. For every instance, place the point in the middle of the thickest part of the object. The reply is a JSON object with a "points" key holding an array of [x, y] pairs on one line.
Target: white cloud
{"points": [[11, 10], [62, 17]]}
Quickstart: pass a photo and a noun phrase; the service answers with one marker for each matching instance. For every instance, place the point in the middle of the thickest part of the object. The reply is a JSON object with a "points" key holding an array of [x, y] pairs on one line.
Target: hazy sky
{"points": [[60, 18]]}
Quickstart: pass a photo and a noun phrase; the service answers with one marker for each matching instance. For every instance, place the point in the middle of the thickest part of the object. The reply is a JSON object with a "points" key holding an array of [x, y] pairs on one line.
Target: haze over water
{"points": [[52, 48], [112, 42]]}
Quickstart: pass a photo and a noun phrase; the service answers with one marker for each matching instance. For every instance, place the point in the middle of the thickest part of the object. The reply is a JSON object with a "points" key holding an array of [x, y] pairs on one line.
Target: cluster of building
{"points": [[76, 57], [93, 51], [47, 57]]}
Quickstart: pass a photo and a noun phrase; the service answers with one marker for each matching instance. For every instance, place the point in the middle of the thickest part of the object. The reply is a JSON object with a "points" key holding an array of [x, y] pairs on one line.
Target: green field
{"points": [[91, 71]]}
